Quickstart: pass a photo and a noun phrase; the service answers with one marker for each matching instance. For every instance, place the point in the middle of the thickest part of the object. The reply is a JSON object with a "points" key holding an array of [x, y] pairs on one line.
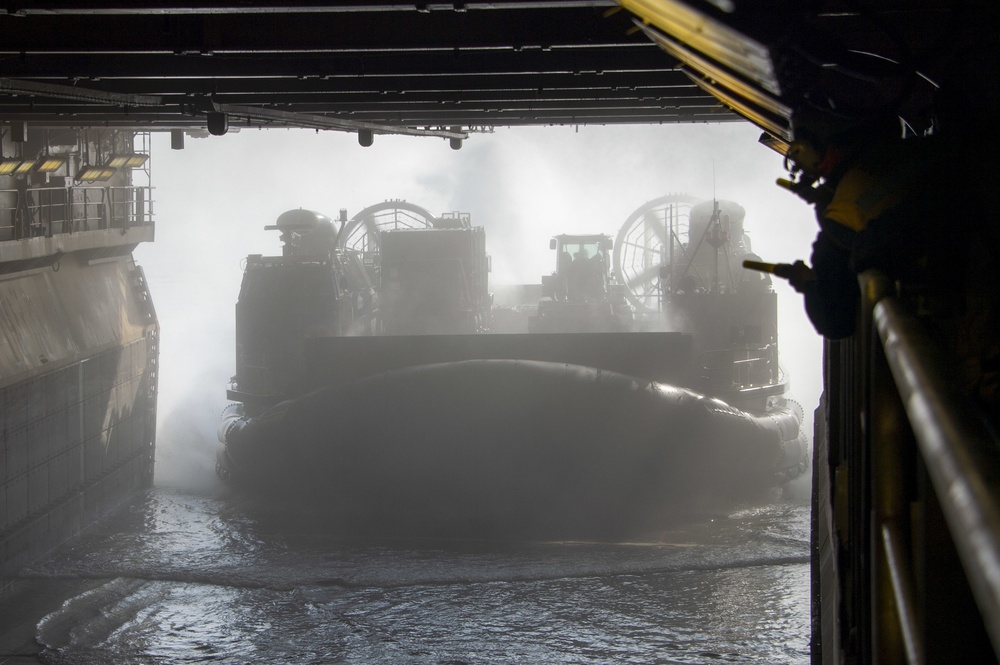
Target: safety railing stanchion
{"points": [[958, 451], [896, 635]]}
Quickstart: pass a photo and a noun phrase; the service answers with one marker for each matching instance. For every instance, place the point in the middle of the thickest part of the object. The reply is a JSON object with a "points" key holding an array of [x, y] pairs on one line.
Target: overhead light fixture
{"points": [[218, 123], [16, 166], [711, 37], [9, 165], [127, 161], [24, 167], [95, 173], [50, 164]]}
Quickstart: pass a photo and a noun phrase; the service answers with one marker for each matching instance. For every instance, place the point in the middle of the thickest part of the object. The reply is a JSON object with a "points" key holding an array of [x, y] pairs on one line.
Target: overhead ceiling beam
{"points": [[96, 66], [309, 33], [490, 119], [17, 86], [401, 67], [655, 82], [159, 7]]}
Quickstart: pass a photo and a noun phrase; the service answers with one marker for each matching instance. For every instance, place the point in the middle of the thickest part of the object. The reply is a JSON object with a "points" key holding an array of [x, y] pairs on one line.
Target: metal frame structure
{"points": [[368, 66]]}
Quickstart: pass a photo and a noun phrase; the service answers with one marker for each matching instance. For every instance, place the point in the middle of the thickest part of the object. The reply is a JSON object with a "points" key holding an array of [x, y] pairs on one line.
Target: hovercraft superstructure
{"points": [[402, 422]]}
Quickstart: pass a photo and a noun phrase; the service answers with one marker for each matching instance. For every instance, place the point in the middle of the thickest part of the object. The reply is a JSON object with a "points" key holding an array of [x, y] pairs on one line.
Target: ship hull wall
{"points": [[78, 392]]}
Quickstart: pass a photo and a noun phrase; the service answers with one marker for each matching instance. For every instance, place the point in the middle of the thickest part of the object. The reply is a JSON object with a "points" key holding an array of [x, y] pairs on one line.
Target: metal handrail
{"points": [[957, 448], [907, 532], [48, 211], [903, 593]]}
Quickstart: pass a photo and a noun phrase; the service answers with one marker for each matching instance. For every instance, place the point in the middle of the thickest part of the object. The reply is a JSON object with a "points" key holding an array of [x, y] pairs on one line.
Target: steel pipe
{"points": [[902, 590], [957, 448]]}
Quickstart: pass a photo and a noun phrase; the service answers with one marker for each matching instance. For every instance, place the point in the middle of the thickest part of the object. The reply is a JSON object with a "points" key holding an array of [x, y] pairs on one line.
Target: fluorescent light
{"points": [[21, 166], [16, 166], [128, 161], [24, 167], [9, 164], [50, 163], [95, 173], [716, 40]]}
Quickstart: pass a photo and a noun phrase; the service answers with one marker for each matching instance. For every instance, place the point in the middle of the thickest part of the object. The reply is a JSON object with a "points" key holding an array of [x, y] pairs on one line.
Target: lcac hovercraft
{"points": [[552, 435]]}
